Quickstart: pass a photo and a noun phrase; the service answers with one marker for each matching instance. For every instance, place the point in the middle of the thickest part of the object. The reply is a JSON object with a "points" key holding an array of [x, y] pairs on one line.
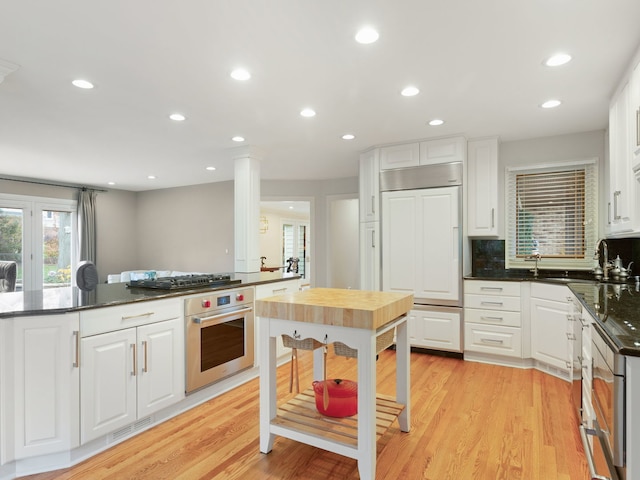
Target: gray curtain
{"points": [[87, 224]]}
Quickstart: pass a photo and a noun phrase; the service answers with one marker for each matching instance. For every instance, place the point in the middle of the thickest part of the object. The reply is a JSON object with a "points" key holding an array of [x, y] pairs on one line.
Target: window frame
{"points": [[590, 208]]}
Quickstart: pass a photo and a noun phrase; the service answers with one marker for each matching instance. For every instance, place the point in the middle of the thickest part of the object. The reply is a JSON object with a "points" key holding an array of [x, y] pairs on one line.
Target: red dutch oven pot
{"points": [[343, 397]]}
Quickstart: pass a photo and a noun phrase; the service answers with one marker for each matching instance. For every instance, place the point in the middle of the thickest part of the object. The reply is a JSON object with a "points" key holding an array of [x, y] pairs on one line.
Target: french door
{"points": [[295, 244], [39, 234]]}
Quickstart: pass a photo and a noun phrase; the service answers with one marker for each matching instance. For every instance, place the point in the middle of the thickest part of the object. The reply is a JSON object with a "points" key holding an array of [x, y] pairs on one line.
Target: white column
{"points": [[246, 210]]}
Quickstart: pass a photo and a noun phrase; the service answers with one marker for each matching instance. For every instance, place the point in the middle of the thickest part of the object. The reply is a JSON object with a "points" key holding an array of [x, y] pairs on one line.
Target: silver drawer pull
{"points": [[492, 340], [495, 319], [131, 317], [491, 303], [280, 290], [496, 289]]}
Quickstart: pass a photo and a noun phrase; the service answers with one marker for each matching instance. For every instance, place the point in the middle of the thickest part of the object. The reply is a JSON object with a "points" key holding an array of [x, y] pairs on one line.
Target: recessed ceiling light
{"points": [[557, 60], [238, 138], [409, 91], [211, 169], [435, 122], [307, 112], [348, 136], [111, 183], [551, 104], [178, 117], [83, 84], [240, 74], [151, 177], [367, 35]]}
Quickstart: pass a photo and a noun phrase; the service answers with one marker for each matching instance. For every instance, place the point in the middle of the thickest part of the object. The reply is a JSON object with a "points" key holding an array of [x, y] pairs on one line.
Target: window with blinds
{"points": [[552, 211]]}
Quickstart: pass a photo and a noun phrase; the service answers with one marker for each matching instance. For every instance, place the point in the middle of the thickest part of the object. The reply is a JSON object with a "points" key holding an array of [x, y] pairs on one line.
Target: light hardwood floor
{"points": [[468, 421]]}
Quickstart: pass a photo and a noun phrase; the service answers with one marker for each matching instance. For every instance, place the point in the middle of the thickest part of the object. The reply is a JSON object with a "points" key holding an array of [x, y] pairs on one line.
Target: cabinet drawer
{"points": [[492, 302], [506, 341], [484, 287], [109, 319], [277, 288], [490, 317]]}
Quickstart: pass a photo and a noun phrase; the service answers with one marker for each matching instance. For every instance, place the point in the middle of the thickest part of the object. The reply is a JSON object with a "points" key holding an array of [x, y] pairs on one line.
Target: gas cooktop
{"points": [[205, 280]]}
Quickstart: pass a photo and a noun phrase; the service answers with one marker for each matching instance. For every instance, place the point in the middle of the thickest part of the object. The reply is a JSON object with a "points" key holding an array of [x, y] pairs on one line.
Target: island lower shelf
{"points": [[300, 414]]}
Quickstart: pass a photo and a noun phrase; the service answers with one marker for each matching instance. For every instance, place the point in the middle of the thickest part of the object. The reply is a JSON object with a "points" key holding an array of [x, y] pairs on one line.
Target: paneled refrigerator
{"points": [[422, 249]]}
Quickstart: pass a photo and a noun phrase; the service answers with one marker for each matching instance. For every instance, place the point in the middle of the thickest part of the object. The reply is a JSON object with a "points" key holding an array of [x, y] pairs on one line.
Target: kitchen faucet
{"points": [[534, 257], [605, 263]]}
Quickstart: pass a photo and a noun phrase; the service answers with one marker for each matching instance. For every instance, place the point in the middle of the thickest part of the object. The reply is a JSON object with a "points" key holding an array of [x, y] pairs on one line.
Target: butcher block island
{"points": [[356, 320]]}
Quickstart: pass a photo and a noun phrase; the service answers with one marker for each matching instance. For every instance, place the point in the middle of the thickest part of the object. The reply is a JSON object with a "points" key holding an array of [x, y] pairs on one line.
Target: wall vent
{"points": [[130, 429]]}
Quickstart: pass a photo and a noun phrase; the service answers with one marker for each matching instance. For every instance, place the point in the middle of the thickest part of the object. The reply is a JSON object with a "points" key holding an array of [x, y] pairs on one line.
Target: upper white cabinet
{"points": [[443, 150], [370, 186], [482, 188], [634, 117], [400, 156]]}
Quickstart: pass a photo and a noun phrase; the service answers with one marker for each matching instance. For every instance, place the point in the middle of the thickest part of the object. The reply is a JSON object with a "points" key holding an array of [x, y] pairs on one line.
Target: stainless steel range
{"points": [[219, 335]]}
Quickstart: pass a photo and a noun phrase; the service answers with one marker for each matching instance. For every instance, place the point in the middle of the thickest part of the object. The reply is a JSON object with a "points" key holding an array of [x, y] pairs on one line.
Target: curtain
{"points": [[87, 225]]}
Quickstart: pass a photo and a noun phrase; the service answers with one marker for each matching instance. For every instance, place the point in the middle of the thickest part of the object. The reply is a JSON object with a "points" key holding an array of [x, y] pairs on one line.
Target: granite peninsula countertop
{"points": [[614, 306], [70, 299]]}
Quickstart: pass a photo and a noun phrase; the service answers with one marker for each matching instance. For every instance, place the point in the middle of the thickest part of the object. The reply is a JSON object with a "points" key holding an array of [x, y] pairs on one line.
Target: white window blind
{"points": [[552, 210]]}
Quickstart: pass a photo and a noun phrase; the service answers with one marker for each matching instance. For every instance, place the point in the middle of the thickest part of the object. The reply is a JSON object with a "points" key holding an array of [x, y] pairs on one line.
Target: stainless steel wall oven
{"points": [[219, 336]]}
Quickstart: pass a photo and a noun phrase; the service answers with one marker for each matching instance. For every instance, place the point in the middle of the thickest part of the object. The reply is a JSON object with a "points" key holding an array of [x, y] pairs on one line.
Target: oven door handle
{"points": [[222, 316], [593, 475]]}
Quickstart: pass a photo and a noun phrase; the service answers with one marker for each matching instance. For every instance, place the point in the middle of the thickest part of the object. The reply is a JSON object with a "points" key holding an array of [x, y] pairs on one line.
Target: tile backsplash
{"points": [[488, 255]]}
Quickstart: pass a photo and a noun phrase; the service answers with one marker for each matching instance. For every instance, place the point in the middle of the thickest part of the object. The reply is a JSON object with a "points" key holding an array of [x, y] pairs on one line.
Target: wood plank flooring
{"points": [[469, 421]]}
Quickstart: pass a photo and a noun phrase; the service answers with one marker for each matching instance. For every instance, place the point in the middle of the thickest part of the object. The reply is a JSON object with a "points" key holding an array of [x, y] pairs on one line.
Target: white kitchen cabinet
{"points": [[400, 156], [435, 328], [620, 207], [492, 319], [129, 373], [634, 117], [369, 182], [42, 377], [270, 290], [370, 256], [443, 150], [482, 188], [416, 257], [551, 327]]}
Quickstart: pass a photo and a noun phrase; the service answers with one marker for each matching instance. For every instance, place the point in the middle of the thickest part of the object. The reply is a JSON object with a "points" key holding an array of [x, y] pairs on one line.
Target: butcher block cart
{"points": [[355, 318]]}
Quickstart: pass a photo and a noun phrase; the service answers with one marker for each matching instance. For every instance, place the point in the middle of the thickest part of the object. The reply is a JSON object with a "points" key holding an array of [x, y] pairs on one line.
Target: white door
{"points": [[108, 383], [160, 365], [421, 243]]}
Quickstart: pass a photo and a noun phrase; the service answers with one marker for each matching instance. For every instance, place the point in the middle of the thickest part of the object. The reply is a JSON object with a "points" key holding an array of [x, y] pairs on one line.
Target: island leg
{"points": [[367, 408], [268, 405], [403, 381]]}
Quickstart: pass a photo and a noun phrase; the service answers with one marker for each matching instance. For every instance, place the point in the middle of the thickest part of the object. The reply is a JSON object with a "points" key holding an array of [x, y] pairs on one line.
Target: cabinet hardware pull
{"points": [[496, 319], [616, 194], [609, 213], [638, 127], [490, 303], [145, 367], [135, 359], [279, 290], [373, 204], [373, 239], [76, 363], [493, 211], [497, 289], [571, 336], [130, 317], [223, 315], [492, 340]]}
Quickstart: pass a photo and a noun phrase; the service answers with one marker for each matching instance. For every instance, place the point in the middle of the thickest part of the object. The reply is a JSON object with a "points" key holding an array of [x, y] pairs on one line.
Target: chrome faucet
{"points": [[534, 257], [605, 263]]}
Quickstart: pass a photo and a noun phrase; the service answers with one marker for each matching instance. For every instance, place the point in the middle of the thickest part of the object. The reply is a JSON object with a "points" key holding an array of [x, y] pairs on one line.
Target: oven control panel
{"points": [[218, 300]]}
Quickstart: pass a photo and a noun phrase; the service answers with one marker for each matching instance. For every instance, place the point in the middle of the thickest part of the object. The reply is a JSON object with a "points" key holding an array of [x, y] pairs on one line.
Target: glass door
{"points": [[295, 244], [11, 234]]}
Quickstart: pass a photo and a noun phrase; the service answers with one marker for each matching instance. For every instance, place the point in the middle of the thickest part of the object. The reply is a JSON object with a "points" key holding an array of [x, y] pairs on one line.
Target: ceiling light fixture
{"points": [[308, 112], [409, 91], [436, 122], [348, 136], [151, 177], [85, 84], [367, 35], [238, 138], [551, 104], [211, 169], [111, 183], [240, 74], [557, 60], [177, 117]]}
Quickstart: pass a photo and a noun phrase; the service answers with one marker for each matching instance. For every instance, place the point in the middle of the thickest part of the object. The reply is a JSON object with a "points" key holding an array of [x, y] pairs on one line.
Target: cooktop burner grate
{"points": [[207, 280]]}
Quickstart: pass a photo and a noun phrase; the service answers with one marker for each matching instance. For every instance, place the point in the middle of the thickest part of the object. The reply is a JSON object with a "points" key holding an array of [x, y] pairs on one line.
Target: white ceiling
{"points": [[478, 65]]}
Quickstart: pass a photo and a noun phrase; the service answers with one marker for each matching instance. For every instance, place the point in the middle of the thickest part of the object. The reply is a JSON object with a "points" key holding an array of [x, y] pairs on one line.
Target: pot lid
{"points": [[337, 388]]}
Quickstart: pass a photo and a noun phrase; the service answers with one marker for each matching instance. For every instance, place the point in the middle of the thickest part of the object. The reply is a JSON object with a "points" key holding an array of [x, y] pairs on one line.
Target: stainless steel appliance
{"points": [[605, 442], [219, 335], [200, 280]]}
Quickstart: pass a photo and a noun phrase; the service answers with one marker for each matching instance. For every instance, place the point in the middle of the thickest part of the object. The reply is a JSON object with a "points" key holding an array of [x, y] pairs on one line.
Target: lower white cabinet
{"points": [[130, 374], [436, 328], [42, 379], [551, 330], [370, 256], [270, 290]]}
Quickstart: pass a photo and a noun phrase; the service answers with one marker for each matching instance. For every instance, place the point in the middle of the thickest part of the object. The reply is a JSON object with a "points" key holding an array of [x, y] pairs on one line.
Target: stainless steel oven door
{"points": [[598, 458], [218, 345]]}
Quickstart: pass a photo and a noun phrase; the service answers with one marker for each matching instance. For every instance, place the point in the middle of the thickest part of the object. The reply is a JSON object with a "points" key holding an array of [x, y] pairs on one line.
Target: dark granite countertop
{"points": [[70, 299], [553, 276]]}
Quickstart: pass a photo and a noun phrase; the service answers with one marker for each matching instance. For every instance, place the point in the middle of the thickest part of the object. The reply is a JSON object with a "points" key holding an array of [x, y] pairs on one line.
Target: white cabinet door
{"points": [[369, 181], [108, 379], [482, 188], [443, 150], [549, 333], [370, 256], [400, 156], [435, 328], [634, 117], [47, 389], [421, 243], [160, 366]]}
